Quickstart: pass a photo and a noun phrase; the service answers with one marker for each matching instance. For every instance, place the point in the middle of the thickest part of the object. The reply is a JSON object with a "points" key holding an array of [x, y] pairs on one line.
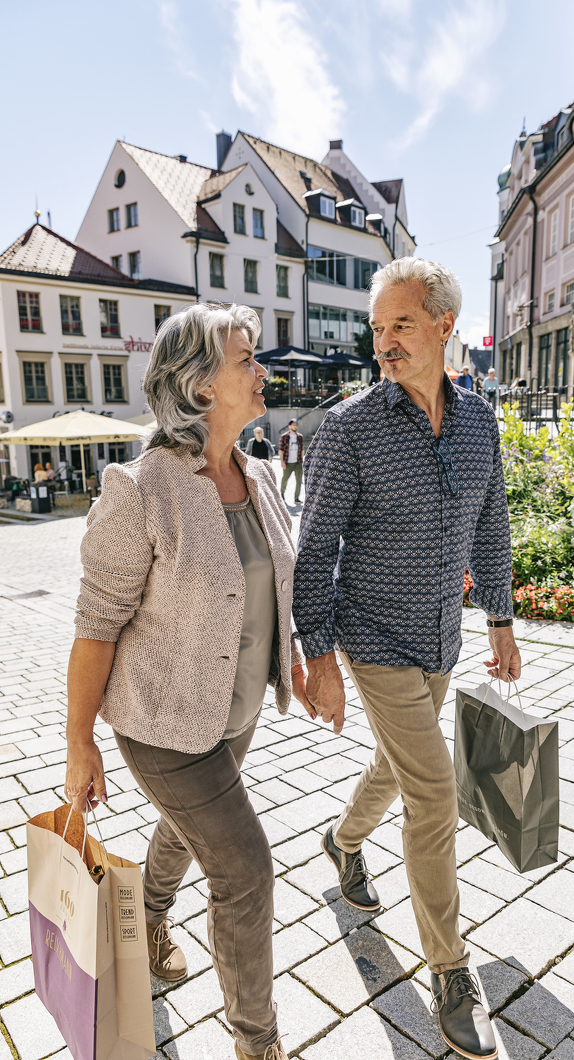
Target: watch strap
{"points": [[498, 623]]}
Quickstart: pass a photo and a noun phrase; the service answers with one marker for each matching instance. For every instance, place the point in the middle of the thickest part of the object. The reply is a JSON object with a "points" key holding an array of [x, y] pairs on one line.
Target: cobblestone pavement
{"points": [[347, 984]]}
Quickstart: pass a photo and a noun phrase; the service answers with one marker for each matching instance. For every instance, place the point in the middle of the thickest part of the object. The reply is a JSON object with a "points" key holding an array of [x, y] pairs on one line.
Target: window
{"points": [[70, 314], [117, 262], [544, 353], [109, 318], [250, 276], [332, 325], [357, 217], [135, 260], [550, 302], [282, 281], [283, 331], [258, 226], [113, 383], [561, 371], [363, 272], [553, 239], [101, 451], [120, 178], [569, 293], [114, 220], [35, 383], [571, 220], [518, 360], [131, 215], [75, 376], [216, 278], [326, 207], [357, 325], [239, 219], [328, 266], [162, 312], [29, 311]]}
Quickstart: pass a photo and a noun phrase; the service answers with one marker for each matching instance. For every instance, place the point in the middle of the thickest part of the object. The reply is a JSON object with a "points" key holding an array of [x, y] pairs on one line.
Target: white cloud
{"points": [[473, 329], [175, 37], [442, 59], [281, 76]]}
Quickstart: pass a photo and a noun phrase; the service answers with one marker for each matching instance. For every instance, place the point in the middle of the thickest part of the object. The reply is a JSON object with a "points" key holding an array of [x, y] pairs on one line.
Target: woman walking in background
{"points": [[184, 616]]}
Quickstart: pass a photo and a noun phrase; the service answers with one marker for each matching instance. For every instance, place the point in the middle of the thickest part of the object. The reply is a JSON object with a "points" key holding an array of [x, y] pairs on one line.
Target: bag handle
{"points": [[85, 820], [515, 693]]}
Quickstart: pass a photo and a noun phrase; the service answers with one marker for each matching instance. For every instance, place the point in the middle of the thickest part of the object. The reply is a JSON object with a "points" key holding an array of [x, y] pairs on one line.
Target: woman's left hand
{"points": [[299, 682]]}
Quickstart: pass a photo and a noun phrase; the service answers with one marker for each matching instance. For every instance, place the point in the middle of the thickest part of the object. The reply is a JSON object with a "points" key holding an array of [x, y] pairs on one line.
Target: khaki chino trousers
{"points": [[402, 704]]}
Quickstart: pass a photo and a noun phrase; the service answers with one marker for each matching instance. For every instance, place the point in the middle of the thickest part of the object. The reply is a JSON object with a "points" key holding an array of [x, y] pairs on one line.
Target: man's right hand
{"points": [[325, 689]]}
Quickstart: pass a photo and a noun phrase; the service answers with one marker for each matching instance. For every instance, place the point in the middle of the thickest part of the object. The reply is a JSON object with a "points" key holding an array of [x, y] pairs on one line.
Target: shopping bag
{"points": [[506, 765], [89, 945]]}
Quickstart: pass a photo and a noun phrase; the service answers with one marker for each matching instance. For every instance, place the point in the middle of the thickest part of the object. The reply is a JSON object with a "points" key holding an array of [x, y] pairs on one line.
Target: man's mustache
{"points": [[395, 355]]}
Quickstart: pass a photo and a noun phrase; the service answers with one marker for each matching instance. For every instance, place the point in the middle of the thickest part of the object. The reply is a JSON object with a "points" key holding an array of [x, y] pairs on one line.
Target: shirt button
{"points": [[284, 585]]}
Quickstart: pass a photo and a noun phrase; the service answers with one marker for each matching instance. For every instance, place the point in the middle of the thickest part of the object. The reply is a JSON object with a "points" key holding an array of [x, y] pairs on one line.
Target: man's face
{"points": [[406, 341], [293, 427], [258, 432]]}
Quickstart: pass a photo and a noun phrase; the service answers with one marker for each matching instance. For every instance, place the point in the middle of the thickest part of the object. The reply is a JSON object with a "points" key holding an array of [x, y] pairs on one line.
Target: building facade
{"points": [[74, 333], [532, 268]]}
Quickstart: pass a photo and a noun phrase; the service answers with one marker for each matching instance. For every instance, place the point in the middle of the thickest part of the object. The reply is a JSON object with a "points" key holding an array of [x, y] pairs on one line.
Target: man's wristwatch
{"points": [[498, 623]]}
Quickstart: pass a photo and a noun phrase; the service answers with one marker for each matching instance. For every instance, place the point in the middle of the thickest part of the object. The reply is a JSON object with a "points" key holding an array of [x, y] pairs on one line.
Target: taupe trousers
{"points": [[206, 815], [402, 704]]}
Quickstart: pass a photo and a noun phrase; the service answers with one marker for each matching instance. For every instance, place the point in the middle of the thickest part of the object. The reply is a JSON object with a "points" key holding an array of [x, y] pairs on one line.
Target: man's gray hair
{"points": [[443, 291], [188, 352]]}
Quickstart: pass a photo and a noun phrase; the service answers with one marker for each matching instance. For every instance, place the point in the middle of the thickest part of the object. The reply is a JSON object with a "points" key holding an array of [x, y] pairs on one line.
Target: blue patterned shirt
{"points": [[382, 547]]}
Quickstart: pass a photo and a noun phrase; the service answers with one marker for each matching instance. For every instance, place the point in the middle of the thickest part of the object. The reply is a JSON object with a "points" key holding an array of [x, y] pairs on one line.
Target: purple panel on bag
{"points": [[69, 993]]}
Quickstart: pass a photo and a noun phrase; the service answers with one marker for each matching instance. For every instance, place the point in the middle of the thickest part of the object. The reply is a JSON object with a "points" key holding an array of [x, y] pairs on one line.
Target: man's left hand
{"points": [[505, 663]]}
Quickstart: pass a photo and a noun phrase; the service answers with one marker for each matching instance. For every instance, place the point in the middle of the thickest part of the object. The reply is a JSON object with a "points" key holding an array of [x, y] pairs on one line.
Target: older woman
{"points": [[184, 617]]}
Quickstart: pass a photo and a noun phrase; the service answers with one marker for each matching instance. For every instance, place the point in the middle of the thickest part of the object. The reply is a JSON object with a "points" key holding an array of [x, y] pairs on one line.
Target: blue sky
{"points": [[434, 92]]}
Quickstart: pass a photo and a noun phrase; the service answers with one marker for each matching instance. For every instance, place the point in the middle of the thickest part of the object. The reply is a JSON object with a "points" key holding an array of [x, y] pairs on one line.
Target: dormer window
{"points": [[357, 217], [327, 207]]}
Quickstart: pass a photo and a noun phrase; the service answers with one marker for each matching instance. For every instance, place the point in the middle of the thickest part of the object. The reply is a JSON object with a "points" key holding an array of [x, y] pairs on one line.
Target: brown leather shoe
{"points": [[272, 1052], [166, 959]]}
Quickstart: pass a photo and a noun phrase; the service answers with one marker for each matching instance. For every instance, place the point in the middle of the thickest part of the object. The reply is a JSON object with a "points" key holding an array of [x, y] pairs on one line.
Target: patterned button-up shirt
{"points": [[384, 545]]}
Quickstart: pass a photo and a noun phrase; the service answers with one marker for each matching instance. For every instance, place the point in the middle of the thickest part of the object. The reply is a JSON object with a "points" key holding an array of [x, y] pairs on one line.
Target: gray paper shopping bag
{"points": [[506, 765]]}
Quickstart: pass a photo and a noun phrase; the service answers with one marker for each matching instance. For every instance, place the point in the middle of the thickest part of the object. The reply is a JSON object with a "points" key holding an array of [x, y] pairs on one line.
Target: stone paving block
{"points": [[198, 998], [43, 779], [14, 892], [203, 887], [264, 737], [207, 1041], [256, 758], [197, 927], [15, 938], [352, 971], [566, 841], [41, 802], [10, 788], [296, 851], [399, 924], [393, 886], [336, 767], [389, 837], [300, 1014], [16, 980], [505, 885], [148, 812], [123, 778], [292, 726], [556, 892], [32, 1028], [6, 1052], [13, 860], [565, 968], [18, 835], [260, 805], [512, 1045], [275, 830], [289, 903], [276, 791], [343, 789], [40, 745], [337, 919], [564, 1051], [360, 754], [128, 800], [496, 857], [132, 846], [470, 842], [290, 747], [198, 960], [541, 1013], [308, 811], [377, 859], [477, 905], [189, 901], [407, 1006], [120, 823], [497, 980], [305, 780], [525, 935], [267, 771], [363, 1035], [166, 1021], [317, 878], [5, 844], [293, 945], [11, 815]]}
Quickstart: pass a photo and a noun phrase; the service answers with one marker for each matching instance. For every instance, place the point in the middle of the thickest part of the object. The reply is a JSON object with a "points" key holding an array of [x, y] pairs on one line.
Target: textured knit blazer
{"points": [[163, 579]]}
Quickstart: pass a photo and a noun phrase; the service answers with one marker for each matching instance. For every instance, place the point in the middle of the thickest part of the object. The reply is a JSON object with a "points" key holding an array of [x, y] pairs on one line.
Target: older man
{"points": [[260, 446], [409, 470]]}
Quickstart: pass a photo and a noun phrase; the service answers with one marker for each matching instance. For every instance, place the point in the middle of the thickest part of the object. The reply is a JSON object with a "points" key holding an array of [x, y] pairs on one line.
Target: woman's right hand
{"points": [[85, 781]]}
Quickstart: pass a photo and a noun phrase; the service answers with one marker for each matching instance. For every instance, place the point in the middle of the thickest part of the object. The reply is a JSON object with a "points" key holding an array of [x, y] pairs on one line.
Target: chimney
{"points": [[335, 145], [223, 141]]}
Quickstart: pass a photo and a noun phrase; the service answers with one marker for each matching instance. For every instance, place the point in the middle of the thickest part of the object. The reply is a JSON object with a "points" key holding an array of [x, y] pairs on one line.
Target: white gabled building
{"points": [[74, 333]]}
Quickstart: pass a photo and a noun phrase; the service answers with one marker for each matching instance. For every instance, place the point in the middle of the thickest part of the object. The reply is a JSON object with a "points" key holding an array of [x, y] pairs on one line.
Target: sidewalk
{"points": [[347, 985]]}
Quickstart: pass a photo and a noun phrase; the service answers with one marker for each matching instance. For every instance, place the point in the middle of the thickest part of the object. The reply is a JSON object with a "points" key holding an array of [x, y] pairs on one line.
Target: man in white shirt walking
{"points": [[291, 455]]}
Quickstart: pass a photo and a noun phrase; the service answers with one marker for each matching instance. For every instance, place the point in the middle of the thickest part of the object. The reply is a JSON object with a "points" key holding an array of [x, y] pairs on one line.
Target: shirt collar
{"points": [[394, 393]]}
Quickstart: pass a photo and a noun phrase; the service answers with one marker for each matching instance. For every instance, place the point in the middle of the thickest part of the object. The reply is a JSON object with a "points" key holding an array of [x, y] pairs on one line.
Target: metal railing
{"points": [[536, 408]]}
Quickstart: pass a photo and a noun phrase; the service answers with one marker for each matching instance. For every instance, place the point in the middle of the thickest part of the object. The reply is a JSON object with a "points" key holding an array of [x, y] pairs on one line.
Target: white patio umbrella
{"points": [[72, 428]]}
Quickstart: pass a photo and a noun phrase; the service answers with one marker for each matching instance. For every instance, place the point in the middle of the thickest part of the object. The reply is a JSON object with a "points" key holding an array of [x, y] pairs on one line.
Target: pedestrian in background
{"points": [[465, 378], [260, 446], [39, 473], [184, 617], [490, 387], [291, 455], [50, 473], [410, 469]]}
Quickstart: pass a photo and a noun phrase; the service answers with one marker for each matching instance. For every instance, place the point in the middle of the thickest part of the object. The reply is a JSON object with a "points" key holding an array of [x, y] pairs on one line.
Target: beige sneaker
{"points": [[166, 959], [272, 1052]]}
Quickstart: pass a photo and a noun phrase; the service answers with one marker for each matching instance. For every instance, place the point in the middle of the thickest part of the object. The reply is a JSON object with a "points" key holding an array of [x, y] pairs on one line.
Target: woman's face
{"points": [[238, 386]]}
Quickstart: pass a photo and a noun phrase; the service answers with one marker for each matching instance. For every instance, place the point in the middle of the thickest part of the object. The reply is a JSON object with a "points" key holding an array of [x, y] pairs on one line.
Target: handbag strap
{"points": [[89, 809]]}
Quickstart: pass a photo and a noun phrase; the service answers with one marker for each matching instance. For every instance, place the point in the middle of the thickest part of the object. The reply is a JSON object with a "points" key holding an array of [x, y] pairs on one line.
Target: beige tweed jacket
{"points": [[163, 579]]}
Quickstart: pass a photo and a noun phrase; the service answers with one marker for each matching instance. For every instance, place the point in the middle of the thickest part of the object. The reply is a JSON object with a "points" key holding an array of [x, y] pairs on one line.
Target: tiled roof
{"points": [[40, 250], [217, 182], [180, 183], [389, 189], [286, 243]]}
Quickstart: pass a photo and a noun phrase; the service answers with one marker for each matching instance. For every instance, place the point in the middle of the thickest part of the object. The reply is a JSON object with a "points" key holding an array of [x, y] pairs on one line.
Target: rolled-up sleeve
{"points": [[490, 562], [116, 555], [331, 489]]}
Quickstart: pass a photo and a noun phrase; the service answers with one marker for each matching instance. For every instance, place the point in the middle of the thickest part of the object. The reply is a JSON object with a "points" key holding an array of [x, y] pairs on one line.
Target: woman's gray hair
{"points": [[186, 356], [443, 291]]}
